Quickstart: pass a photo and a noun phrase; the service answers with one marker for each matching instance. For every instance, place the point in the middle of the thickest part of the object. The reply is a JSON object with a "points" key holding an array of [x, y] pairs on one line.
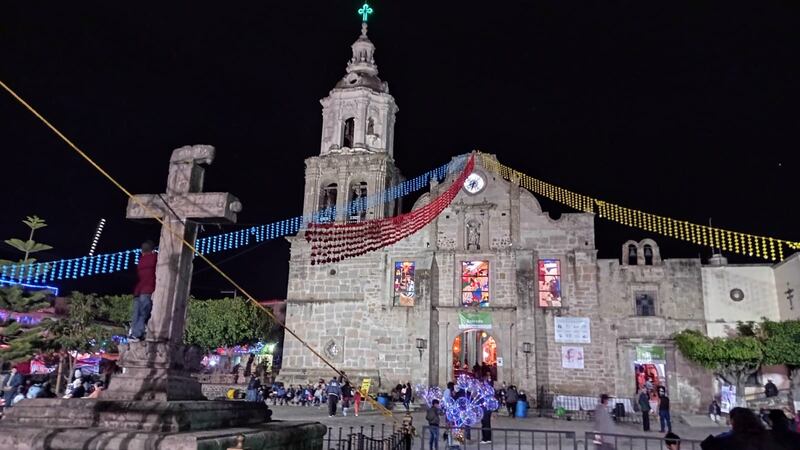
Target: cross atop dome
{"points": [[365, 11]]}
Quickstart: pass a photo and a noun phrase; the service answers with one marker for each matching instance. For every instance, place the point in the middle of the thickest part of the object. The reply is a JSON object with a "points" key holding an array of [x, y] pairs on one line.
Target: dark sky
{"points": [[685, 109]]}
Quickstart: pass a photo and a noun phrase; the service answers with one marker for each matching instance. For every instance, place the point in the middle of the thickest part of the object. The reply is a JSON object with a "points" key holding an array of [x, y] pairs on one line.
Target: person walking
{"points": [[603, 425], [407, 393], [511, 400], [663, 412], [143, 292], [347, 397], [432, 416], [334, 392], [357, 402], [644, 407], [714, 411]]}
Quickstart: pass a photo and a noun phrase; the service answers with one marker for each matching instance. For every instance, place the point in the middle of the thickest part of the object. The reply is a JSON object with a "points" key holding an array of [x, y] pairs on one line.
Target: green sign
{"points": [[474, 320], [650, 353]]}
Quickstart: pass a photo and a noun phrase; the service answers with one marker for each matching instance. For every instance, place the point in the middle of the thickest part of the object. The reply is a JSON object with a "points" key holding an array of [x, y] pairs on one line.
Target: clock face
{"points": [[474, 183]]}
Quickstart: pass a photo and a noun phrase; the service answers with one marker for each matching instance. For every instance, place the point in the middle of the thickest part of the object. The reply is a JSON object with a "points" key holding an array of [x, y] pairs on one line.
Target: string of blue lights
{"points": [[106, 263]]}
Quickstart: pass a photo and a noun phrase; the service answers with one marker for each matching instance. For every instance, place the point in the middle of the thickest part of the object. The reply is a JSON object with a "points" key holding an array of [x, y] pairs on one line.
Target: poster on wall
{"points": [[404, 289], [650, 353], [549, 283], [727, 398], [572, 357], [475, 283], [574, 330]]}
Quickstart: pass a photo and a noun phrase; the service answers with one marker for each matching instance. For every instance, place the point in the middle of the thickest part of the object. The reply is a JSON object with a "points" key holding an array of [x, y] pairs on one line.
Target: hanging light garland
{"points": [[91, 265], [764, 247], [332, 243]]}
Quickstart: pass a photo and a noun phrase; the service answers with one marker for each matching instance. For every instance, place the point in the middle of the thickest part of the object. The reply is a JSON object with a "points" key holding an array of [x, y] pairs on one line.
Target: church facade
{"points": [[493, 281]]}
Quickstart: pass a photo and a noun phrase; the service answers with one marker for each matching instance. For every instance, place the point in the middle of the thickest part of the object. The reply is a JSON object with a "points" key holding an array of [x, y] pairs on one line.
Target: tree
{"points": [[225, 322], [781, 342], [732, 359], [30, 246], [77, 331], [21, 341], [117, 310]]}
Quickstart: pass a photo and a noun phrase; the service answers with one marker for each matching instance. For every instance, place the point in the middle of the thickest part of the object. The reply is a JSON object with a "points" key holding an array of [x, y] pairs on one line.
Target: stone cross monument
{"points": [[158, 367]]}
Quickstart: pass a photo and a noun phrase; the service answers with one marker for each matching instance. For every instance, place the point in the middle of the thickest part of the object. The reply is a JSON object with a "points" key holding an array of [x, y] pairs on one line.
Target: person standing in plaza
{"points": [[770, 390], [663, 412], [644, 407], [407, 393], [357, 401], [334, 392], [432, 416], [143, 292], [603, 425], [511, 400], [486, 426], [252, 388], [714, 411]]}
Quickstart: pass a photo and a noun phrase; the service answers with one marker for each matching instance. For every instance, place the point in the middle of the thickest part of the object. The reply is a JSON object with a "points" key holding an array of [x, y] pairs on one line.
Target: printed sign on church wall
{"points": [[404, 287], [572, 357], [573, 330], [549, 283], [474, 320]]}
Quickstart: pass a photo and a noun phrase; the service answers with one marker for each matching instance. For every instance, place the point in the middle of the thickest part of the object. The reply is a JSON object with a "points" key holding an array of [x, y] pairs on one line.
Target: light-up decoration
{"points": [[549, 283], [365, 11], [404, 286], [475, 283], [52, 289], [116, 262], [96, 237], [726, 240], [473, 398]]}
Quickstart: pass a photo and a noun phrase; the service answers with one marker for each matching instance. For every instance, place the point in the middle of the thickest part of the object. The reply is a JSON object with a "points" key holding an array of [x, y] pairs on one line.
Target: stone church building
{"points": [[493, 280]]}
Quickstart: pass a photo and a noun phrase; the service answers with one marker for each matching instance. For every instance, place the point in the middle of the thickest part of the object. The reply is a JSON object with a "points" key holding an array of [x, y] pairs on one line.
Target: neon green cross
{"points": [[365, 11]]}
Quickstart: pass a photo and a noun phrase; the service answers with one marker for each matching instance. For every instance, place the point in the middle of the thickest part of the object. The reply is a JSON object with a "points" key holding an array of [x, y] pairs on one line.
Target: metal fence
{"points": [[514, 439], [367, 438]]}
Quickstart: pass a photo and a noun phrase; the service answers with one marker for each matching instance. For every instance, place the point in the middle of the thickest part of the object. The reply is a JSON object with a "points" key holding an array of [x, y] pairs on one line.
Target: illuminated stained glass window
{"points": [[404, 288], [549, 283], [475, 283]]}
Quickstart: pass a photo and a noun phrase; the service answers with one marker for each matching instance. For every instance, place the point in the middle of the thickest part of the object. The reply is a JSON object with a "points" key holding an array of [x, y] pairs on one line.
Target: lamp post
{"points": [[422, 344], [526, 348]]}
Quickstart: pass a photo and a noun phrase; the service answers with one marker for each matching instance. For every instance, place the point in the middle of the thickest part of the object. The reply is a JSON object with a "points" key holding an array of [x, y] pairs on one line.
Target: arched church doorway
{"points": [[475, 353]]}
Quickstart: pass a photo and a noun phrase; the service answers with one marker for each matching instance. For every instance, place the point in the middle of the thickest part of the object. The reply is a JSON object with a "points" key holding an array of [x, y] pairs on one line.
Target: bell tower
{"points": [[356, 158]]}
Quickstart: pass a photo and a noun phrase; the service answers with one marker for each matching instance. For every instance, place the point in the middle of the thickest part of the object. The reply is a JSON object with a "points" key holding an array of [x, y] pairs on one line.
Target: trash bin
{"points": [[522, 409], [619, 410], [383, 400]]}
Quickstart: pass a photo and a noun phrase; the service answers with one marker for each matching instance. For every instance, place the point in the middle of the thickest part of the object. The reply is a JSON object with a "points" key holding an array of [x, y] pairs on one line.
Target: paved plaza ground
{"points": [[371, 418]]}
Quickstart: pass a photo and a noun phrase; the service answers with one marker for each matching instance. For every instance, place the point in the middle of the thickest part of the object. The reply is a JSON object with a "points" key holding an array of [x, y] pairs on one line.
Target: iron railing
{"points": [[367, 438], [503, 438], [632, 442]]}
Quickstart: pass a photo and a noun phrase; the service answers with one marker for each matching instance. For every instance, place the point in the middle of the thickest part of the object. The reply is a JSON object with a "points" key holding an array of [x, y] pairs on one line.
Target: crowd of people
{"points": [[320, 394], [16, 387]]}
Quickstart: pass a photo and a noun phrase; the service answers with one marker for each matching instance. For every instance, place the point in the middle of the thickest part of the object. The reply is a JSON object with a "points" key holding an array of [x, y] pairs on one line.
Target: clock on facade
{"points": [[474, 183]]}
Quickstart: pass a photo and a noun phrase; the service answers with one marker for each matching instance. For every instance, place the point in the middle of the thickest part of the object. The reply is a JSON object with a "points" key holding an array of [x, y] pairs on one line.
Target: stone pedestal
{"points": [[156, 370]]}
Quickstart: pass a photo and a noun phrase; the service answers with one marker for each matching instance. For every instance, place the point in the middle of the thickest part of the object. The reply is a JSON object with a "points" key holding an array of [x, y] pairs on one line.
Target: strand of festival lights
{"points": [[106, 263], [764, 247], [96, 237]]}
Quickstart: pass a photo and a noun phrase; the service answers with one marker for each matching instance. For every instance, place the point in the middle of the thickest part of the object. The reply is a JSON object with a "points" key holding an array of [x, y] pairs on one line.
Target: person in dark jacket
{"points": [[143, 292], [334, 392], [407, 393], [252, 388], [663, 412], [432, 416], [511, 400], [747, 433], [644, 406], [11, 383], [781, 430], [714, 411]]}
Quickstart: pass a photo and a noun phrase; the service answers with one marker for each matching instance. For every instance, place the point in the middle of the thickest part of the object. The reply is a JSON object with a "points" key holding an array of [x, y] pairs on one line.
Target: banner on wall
{"points": [[727, 396], [650, 354], [573, 330], [474, 320]]}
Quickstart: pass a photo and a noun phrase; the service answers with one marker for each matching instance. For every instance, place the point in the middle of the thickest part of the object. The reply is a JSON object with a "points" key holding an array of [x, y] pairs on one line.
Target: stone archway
{"points": [[473, 350]]}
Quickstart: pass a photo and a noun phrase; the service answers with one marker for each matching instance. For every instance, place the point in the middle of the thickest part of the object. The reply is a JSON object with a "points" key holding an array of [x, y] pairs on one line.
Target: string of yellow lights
{"points": [[764, 247]]}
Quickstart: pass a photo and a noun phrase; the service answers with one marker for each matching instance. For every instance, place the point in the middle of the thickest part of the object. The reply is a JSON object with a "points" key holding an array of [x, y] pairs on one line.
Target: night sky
{"points": [[684, 109]]}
